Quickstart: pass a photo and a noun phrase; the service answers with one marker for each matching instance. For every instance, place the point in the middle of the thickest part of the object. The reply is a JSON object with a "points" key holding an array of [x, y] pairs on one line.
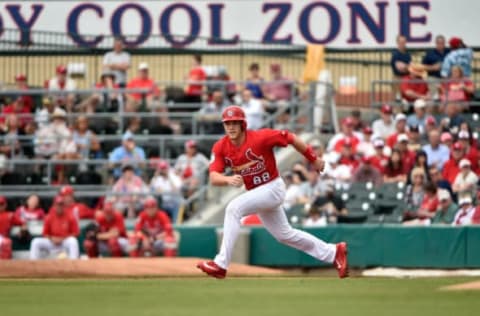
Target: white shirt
{"points": [[293, 193], [53, 85], [169, 184], [383, 130], [117, 58], [254, 113], [464, 218], [319, 222], [471, 178]]}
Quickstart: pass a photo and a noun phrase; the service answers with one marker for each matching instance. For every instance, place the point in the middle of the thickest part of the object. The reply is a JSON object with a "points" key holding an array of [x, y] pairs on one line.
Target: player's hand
{"points": [[235, 180], [319, 164]]}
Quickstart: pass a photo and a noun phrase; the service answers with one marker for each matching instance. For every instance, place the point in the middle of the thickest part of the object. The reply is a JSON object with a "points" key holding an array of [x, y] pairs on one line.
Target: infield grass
{"points": [[236, 296]]}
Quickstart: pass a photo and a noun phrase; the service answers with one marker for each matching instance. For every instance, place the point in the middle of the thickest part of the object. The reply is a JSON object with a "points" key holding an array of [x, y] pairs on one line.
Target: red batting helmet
{"points": [[234, 113]]}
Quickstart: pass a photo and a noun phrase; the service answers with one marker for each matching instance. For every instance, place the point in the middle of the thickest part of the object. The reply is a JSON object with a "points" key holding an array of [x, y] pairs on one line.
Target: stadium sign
{"points": [[341, 23]]}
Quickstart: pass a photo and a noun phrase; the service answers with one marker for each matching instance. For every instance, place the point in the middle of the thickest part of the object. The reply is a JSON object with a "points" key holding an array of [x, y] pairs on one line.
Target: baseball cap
{"points": [[445, 137], [419, 104], [58, 112], [162, 165], [400, 117], [127, 136], [455, 42], [143, 66], [463, 135], [3, 200], [402, 138], [430, 120], [464, 163], [457, 146], [444, 195], [20, 77], [190, 143], [414, 129], [386, 108], [378, 143], [367, 130], [66, 190], [61, 69], [465, 200], [347, 121]]}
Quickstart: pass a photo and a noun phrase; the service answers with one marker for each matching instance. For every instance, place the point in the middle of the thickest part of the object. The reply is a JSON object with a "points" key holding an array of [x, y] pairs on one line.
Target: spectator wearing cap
{"points": [[446, 209], [30, 210], [457, 88], [385, 125], [77, 209], [366, 172], [60, 231], [447, 139], [347, 155], [451, 167], [437, 153], [430, 124], [379, 160], [253, 109], [465, 183], [7, 221], [191, 166], [365, 147], [460, 55], [21, 84], [395, 170], [471, 153], [400, 128], [433, 59], [413, 86], [337, 141], [143, 81], [254, 81], [419, 117], [168, 184], [196, 75], [127, 152], [18, 108], [117, 62], [465, 213], [130, 192], [408, 156], [62, 88], [43, 115]]}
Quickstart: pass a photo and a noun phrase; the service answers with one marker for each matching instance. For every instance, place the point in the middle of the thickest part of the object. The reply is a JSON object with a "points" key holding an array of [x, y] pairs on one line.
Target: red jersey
{"points": [[138, 83], [429, 203], [196, 74], [156, 225], [78, 210], [116, 221], [30, 215], [254, 160], [64, 225], [7, 220], [450, 170], [379, 162]]}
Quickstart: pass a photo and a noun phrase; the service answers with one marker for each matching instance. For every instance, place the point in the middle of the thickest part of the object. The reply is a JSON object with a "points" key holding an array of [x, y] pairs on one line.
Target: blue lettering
{"points": [[276, 24], [24, 26], [406, 20], [146, 23], [358, 11], [194, 25], [216, 26], [335, 22], [72, 25]]}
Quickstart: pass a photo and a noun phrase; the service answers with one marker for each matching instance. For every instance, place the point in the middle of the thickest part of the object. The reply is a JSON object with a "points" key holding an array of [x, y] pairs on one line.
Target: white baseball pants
{"points": [[42, 247], [266, 200]]}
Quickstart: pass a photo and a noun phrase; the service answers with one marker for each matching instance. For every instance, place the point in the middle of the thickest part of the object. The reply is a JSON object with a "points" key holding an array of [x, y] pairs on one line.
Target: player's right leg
{"points": [[5, 248], [70, 244], [39, 245]]}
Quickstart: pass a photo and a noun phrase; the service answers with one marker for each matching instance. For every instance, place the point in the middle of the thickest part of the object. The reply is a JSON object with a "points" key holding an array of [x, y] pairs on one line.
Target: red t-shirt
{"points": [[7, 220], [416, 86], [116, 221], [429, 203], [30, 215], [64, 225], [25, 117], [156, 225], [341, 142], [379, 162], [408, 160], [450, 170], [254, 160], [196, 74], [138, 83], [349, 161], [452, 90]]}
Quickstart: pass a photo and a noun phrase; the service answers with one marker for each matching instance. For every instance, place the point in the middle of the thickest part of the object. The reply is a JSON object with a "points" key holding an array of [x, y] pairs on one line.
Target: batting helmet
{"points": [[234, 113]]}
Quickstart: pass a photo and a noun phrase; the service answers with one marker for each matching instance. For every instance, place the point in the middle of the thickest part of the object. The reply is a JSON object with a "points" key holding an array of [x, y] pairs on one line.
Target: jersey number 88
{"points": [[261, 179]]}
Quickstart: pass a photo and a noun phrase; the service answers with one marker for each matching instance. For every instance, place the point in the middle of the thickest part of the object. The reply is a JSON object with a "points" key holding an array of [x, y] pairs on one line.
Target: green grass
{"points": [[235, 296]]}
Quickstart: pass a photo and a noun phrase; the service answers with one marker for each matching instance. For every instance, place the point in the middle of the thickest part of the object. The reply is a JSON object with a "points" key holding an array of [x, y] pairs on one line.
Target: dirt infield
{"points": [[475, 285], [127, 267]]}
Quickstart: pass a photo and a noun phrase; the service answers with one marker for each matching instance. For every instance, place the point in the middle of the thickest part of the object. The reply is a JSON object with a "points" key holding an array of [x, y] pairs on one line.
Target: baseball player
{"points": [[60, 230], [109, 236], [79, 210], [7, 220], [153, 232], [249, 154]]}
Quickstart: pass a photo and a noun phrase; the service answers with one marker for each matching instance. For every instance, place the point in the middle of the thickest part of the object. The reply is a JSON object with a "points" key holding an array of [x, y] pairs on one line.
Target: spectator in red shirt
{"points": [[62, 88], [109, 236], [395, 171], [7, 220], [348, 157], [60, 230], [413, 86], [408, 156], [451, 167], [471, 153], [427, 209], [458, 88], [278, 88], [31, 211], [153, 232], [194, 90], [379, 160], [142, 81], [400, 128], [16, 107], [21, 84], [337, 141]]}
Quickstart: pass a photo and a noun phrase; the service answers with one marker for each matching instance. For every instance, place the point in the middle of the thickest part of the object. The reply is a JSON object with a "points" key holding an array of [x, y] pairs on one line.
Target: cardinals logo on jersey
{"points": [[255, 165]]}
